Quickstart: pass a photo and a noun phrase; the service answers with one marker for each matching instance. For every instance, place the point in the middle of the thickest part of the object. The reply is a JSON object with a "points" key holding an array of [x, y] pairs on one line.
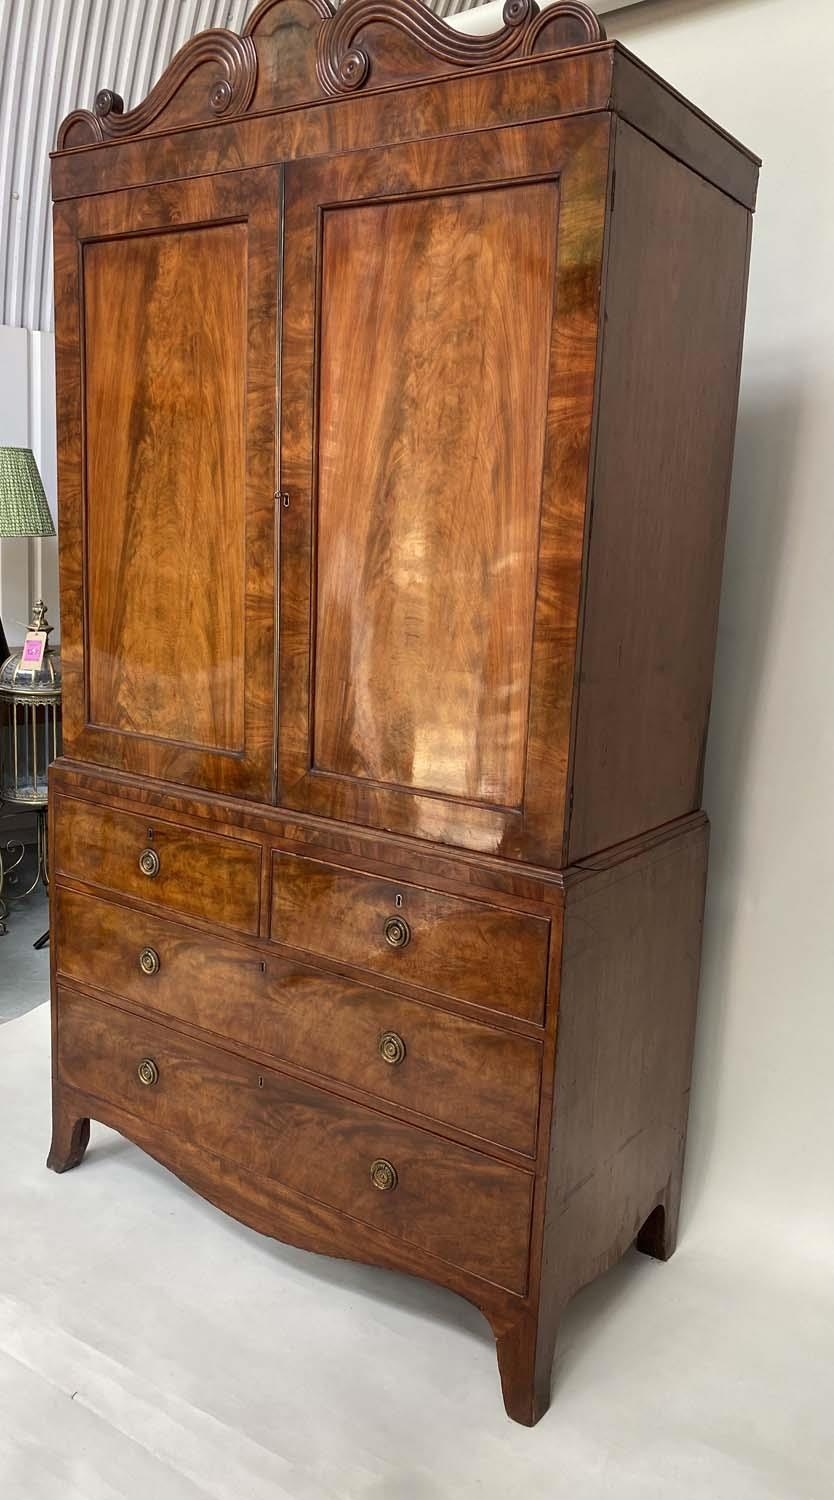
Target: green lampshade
{"points": [[23, 507]]}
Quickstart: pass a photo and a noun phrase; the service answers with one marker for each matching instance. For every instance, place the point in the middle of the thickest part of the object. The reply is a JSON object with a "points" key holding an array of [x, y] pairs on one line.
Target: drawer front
{"points": [[448, 944], [447, 1067], [441, 1198], [197, 874]]}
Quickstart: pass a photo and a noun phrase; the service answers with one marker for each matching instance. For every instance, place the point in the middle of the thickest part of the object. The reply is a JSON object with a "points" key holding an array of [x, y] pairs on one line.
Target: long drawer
{"points": [[183, 869], [487, 955], [447, 1067], [439, 1197]]}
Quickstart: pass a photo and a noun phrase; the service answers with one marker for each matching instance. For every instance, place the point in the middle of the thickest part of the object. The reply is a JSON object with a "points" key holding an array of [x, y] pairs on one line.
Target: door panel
{"points": [[169, 671], [167, 501], [441, 302], [426, 580]]}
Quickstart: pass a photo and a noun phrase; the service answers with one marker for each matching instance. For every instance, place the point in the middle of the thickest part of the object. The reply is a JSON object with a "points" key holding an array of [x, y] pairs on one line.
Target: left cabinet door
{"points": [[166, 318]]}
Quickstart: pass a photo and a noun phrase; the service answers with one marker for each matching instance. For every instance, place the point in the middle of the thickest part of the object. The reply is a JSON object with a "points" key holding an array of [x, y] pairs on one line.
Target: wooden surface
{"points": [[493, 957], [265, 1204], [630, 967], [456, 1071], [641, 99], [612, 1105], [476, 338], [297, 52], [544, 88], [627, 998], [674, 311], [426, 580], [166, 662], [496, 881], [199, 874], [312, 1142], [166, 466], [575, 152], [520, 886]]}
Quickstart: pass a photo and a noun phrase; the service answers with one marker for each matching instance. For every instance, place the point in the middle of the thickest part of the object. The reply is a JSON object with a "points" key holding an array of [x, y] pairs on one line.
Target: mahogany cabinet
{"points": [[397, 381]]}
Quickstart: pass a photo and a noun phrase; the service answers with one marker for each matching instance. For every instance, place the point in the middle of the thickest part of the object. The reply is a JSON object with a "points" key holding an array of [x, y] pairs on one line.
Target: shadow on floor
{"points": [[24, 972]]}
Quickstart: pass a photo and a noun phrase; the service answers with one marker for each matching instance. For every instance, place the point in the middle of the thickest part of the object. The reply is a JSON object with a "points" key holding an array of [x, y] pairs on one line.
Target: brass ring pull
{"points": [[383, 1175], [147, 1071], [397, 932], [391, 1048], [149, 961], [149, 863]]}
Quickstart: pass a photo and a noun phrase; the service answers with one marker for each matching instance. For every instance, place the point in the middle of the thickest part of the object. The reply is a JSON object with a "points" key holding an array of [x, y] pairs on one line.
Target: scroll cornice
{"points": [[334, 52], [230, 85], [569, 24], [344, 64]]}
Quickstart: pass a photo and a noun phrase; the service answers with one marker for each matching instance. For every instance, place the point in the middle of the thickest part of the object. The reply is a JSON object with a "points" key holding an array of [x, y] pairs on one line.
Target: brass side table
{"points": [[30, 737], [12, 855]]}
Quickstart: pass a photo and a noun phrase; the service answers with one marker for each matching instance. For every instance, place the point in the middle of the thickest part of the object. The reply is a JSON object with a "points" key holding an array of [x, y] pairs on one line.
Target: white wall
{"points": [[763, 1102], [28, 569], [762, 1121]]}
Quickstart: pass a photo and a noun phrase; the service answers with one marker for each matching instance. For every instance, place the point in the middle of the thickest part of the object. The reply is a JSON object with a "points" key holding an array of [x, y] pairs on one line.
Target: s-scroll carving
{"points": [[567, 24], [377, 43], [230, 65], [346, 57]]}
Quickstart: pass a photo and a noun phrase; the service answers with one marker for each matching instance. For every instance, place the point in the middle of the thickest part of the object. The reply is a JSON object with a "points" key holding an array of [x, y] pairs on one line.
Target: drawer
{"points": [[448, 944], [188, 871], [440, 1198], [447, 1067]]}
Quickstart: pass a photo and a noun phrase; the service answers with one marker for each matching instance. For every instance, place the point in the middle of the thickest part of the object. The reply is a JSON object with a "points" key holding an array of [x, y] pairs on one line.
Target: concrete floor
{"points": [[24, 972], [150, 1346]]}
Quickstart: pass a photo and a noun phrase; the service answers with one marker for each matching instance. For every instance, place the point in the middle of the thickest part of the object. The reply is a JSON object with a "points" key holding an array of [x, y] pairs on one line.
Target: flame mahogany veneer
{"points": [[397, 377]]}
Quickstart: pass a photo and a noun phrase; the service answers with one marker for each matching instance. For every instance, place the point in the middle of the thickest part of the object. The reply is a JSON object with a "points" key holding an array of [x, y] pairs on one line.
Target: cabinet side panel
{"points": [[630, 966], [674, 313]]}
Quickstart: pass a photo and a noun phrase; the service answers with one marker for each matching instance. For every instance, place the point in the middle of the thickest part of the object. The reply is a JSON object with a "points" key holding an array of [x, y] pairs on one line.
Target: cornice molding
{"points": [[365, 44]]}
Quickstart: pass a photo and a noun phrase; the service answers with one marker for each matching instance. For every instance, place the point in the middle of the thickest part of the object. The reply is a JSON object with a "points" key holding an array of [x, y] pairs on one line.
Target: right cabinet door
{"points": [[439, 338]]}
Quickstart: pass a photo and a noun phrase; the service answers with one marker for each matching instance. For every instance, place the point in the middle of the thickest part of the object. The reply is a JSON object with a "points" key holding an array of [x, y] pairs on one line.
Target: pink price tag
{"points": [[34, 646]]}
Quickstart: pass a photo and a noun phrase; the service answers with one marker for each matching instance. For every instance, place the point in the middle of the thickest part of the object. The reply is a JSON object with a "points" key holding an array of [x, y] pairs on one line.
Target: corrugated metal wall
{"points": [[54, 56]]}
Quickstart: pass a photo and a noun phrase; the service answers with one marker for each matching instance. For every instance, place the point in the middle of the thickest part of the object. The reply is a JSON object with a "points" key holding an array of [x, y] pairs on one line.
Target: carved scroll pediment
{"points": [[295, 52], [359, 46], [213, 75]]}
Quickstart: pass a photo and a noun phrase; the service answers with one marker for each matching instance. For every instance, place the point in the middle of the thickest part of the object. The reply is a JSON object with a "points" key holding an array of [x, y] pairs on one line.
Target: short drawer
{"points": [[443, 1199], [183, 869], [447, 1067], [451, 945]]}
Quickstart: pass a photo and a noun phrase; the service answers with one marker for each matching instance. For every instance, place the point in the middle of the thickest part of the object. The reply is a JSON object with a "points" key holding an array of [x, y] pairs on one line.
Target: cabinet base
{"points": [[525, 1337]]}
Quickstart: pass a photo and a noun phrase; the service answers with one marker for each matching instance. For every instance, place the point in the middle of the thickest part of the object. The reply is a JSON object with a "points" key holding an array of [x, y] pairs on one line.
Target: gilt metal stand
{"points": [[15, 849], [30, 737]]}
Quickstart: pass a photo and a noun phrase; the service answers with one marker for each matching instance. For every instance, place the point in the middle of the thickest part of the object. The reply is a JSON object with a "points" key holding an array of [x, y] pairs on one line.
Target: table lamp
{"points": [[23, 507]]}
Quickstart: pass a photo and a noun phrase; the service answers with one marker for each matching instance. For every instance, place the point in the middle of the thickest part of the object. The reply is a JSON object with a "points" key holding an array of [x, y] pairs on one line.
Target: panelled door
{"points": [[440, 320], [166, 319]]}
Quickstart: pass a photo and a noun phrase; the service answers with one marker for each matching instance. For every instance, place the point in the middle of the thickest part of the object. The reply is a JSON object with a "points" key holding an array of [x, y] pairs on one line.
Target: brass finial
{"points": [[39, 621]]}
